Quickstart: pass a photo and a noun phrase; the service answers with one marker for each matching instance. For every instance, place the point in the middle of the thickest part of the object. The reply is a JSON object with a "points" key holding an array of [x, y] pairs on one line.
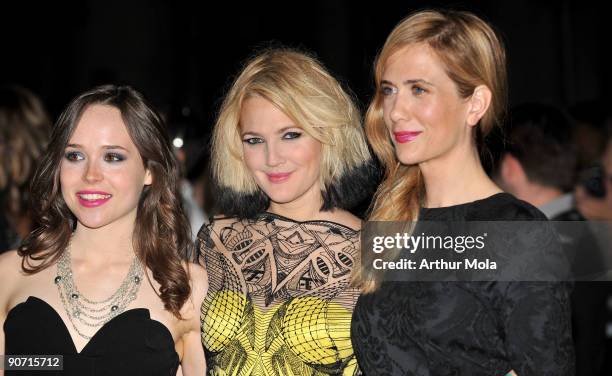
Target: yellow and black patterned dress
{"points": [[279, 301]]}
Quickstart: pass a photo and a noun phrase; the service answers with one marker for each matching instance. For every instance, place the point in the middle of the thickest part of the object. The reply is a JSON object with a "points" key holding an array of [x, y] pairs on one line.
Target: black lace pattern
{"points": [[279, 301]]}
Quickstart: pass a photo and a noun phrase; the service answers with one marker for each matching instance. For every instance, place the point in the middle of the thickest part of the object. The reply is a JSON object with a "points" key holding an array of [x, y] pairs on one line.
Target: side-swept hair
{"points": [[299, 86], [472, 55], [161, 232]]}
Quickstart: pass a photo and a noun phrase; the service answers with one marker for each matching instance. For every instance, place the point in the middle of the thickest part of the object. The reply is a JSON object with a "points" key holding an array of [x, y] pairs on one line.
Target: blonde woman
{"points": [[289, 157], [441, 88]]}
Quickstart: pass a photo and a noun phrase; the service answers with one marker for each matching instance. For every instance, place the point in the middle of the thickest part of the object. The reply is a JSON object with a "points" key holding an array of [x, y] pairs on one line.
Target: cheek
{"points": [[133, 181], [68, 174], [253, 158], [386, 110], [307, 154]]}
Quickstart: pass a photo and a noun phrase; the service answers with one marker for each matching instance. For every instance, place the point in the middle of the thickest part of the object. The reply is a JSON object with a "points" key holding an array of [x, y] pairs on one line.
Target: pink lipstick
{"points": [[405, 136], [278, 177], [92, 199]]}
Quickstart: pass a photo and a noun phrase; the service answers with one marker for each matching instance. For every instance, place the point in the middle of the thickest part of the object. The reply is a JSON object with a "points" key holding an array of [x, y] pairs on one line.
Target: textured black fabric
{"points": [[466, 328], [129, 344]]}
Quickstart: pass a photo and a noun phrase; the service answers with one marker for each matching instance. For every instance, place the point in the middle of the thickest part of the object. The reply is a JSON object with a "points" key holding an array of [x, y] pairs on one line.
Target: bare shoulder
{"points": [[198, 279], [10, 275], [198, 276], [10, 265]]}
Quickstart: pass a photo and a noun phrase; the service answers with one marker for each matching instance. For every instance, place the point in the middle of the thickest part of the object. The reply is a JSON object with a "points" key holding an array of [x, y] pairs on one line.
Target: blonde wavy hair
{"points": [[302, 88], [472, 55]]}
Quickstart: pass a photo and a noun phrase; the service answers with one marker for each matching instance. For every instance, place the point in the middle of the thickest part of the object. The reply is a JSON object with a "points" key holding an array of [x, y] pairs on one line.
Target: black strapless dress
{"points": [[129, 344]]}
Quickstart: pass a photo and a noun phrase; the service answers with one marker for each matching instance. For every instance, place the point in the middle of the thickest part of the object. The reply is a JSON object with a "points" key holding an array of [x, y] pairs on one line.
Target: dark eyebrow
{"points": [[77, 146], [409, 82], [115, 147]]}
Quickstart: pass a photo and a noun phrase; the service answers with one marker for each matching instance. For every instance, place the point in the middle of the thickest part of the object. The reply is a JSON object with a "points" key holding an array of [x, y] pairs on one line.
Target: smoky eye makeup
{"points": [[251, 140], [73, 156], [292, 135], [114, 157]]}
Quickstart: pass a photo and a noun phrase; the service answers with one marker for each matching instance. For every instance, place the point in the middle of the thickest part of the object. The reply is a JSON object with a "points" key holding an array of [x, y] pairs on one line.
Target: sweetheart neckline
{"points": [[103, 328]]}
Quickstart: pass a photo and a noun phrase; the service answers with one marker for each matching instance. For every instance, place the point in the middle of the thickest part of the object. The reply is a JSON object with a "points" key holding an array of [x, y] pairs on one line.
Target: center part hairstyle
{"points": [[298, 85], [161, 236], [472, 55]]}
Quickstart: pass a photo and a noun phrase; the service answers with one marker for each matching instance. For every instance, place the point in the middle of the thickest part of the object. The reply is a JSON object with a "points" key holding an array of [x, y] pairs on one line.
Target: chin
{"points": [[282, 198], [92, 220], [408, 159], [92, 224]]}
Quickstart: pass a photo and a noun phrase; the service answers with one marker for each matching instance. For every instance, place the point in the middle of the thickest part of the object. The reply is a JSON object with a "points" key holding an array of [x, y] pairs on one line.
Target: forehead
{"points": [[101, 124], [414, 61], [261, 115]]}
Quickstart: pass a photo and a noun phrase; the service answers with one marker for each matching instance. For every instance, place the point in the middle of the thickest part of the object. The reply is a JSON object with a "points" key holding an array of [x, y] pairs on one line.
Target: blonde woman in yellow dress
{"points": [[289, 158]]}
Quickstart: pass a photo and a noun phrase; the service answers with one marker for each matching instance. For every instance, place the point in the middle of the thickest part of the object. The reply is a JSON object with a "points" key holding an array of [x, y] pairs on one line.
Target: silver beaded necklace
{"points": [[91, 313]]}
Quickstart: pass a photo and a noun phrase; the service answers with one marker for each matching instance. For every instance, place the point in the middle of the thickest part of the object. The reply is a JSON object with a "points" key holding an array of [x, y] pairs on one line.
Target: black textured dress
{"points": [[466, 328], [129, 344]]}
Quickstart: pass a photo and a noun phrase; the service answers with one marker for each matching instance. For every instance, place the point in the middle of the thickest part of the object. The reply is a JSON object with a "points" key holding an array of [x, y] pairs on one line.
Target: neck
{"points": [[456, 178], [106, 244], [538, 195], [305, 207]]}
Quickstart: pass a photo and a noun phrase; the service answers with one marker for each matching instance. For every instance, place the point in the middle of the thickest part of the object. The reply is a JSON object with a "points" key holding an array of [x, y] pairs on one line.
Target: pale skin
{"points": [[102, 157], [272, 143], [423, 98], [418, 96]]}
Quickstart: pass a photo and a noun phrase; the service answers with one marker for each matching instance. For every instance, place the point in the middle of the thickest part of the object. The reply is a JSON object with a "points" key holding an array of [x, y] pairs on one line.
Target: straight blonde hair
{"points": [[472, 55]]}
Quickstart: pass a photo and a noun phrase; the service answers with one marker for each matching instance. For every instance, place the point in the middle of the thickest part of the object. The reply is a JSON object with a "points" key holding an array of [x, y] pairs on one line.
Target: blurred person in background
{"points": [[24, 133], [185, 149], [596, 204], [588, 132], [539, 166]]}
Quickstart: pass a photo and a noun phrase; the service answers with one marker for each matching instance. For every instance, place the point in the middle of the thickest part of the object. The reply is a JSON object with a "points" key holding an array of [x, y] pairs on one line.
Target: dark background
{"points": [[183, 55]]}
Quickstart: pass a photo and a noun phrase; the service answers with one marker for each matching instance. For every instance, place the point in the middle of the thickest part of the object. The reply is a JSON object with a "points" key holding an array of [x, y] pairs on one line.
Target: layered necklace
{"points": [[92, 313]]}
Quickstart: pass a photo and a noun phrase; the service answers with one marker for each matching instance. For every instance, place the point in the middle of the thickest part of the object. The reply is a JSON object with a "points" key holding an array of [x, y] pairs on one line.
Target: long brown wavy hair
{"points": [[161, 236], [472, 55]]}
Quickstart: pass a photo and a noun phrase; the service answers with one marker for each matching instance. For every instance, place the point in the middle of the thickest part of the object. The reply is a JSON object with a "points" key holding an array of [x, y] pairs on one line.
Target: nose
{"points": [[93, 173], [274, 155], [398, 109]]}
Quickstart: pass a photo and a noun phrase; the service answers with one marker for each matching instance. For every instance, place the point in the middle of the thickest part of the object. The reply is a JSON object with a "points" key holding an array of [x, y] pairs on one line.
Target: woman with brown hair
{"points": [[440, 89], [290, 159], [101, 281]]}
